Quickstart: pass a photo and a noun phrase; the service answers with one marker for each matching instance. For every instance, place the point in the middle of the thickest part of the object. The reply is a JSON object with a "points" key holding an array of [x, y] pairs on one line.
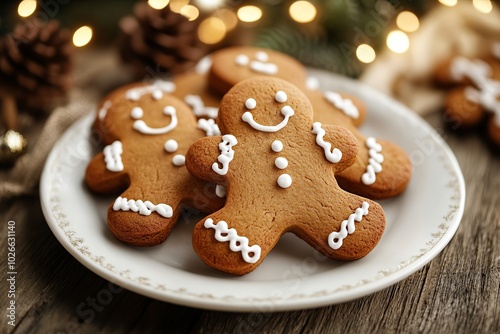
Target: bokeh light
{"points": [[209, 5], [211, 30], [302, 11], [398, 41], [158, 4], [191, 12], [82, 36], [365, 53], [449, 3], [26, 8], [249, 13], [407, 21], [228, 17], [483, 6], [176, 5]]}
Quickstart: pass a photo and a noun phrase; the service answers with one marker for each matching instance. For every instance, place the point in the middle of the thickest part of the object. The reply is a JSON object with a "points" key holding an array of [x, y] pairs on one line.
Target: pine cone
{"points": [[158, 42], [36, 64]]}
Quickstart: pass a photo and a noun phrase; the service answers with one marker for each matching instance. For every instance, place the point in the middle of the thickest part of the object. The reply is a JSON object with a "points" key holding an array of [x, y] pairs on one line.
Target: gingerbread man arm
{"points": [[103, 181], [202, 157], [342, 139]]}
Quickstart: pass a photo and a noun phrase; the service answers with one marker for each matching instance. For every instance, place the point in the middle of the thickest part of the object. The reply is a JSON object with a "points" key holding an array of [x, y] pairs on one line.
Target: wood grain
{"points": [[457, 292]]}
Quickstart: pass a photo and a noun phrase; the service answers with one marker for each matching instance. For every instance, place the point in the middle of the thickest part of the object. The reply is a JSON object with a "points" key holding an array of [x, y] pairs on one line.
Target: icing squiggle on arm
{"points": [[113, 157], [335, 239], [374, 161], [334, 155], [226, 155], [236, 243], [208, 125], [346, 105], [199, 108], [143, 208]]}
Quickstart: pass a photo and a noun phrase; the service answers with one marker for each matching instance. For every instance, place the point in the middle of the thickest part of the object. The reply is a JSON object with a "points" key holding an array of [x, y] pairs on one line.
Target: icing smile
{"points": [[143, 128], [286, 111]]}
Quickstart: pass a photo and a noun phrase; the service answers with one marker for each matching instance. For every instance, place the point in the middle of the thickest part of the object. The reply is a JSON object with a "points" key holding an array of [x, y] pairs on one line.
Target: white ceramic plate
{"points": [[420, 223]]}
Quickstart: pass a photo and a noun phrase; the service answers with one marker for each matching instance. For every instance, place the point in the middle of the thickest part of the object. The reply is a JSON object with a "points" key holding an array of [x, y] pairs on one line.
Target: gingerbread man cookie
{"points": [[147, 132], [475, 92], [278, 168], [232, 65], [382, 169]]}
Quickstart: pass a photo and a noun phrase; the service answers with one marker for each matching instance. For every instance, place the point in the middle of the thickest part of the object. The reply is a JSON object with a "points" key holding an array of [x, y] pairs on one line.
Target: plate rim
{"points": [[98, 264]]}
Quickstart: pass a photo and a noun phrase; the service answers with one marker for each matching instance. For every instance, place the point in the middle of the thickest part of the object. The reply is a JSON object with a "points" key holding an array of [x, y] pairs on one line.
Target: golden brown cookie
{"points": [[381, 170], [147, 133], [474, 93], [232, 65], [278, 168]]}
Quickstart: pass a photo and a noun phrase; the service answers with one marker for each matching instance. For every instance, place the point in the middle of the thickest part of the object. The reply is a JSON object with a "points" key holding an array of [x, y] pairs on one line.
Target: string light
{"points": [[26, 8], [82, 36], [249, 13], [302, 11], [407, 21], [483, 6], [158, 4], [228, 17], [211, 30], [191, 12], [365, 53], [176, 5], [398, 41], [449, 3]]}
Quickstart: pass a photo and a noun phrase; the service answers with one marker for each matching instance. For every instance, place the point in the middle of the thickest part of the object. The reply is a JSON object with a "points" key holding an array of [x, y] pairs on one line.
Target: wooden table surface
{"points": [[457, 292]]}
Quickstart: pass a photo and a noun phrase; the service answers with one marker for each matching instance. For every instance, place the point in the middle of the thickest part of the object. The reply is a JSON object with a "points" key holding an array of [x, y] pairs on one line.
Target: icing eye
{"points": [[136, 113], [169, 110], [281, 96], [157, 94], [262, 56], [251, 103], [242, 60]]}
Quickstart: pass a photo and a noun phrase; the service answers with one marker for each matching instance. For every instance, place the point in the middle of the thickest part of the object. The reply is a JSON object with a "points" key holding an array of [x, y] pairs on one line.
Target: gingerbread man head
{"points": [[278, 169], [147, 132]]}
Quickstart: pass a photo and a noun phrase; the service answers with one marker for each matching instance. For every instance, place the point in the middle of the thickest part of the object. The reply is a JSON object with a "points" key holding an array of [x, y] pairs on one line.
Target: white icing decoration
{"points": [[375, 161], [259, 65], [236, 243], [264, 68], [281, 163], [199, 108], [137, 113], [335, 239], [242, 60], [171, 146], [284, 181], [179, 160], [277, 146], [346, 105], [204, 65], [250, 103], [487, 93], [143, 128], [220, 191], [209, 126], [104, 110], [312, 83], [157, 88], [262, 56], [334, 155], [143, 208], [227, 154], [281, 97], [286, 111], [113, 157]]}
